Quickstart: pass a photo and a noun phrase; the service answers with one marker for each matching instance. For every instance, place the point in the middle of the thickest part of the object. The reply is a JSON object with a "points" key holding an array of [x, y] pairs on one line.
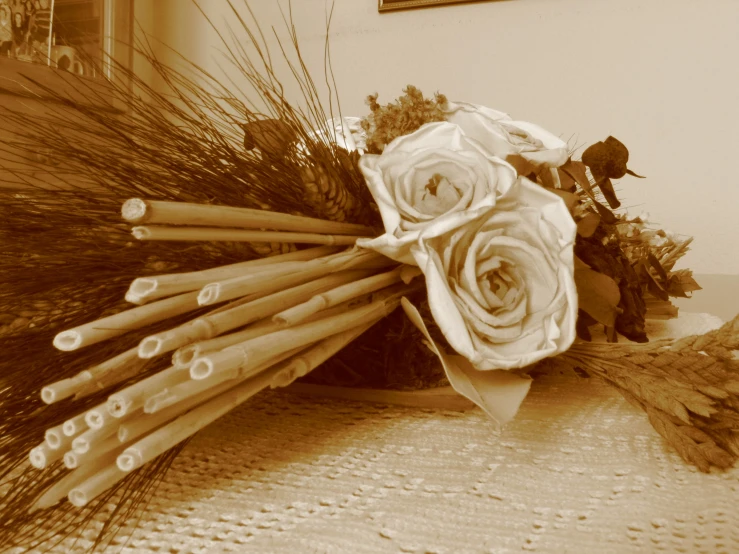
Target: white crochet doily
{"points": [[578, 471]]}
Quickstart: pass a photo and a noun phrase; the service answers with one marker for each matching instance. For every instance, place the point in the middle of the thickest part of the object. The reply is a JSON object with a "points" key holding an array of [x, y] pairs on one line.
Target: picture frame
{"points": [[396, 5]]}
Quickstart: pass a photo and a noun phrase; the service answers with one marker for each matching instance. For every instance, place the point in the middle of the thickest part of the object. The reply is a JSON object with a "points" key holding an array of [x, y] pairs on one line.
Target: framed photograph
{"points": [[392, 5]]}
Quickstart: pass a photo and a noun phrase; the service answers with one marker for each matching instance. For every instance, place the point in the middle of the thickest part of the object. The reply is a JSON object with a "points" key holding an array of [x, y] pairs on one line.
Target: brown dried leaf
{"points": [[607, 158], [652, 285], [577, 171], [654, 262], [687, 283], [674, 287], [598, 295], [605, 213], [566, 181], [606, 187]]}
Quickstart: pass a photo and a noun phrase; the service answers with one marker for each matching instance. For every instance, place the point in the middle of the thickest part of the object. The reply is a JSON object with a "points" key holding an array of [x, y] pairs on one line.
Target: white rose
{"points": [[427, 176], [506, 138], [501, 287]]}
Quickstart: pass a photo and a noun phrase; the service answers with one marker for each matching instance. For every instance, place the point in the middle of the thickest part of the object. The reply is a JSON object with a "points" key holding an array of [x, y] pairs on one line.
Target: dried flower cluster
{"points": [[402, 117]]}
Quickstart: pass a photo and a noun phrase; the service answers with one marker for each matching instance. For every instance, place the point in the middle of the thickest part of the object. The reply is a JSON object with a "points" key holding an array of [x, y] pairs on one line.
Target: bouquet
{"points": [[196, 250]]}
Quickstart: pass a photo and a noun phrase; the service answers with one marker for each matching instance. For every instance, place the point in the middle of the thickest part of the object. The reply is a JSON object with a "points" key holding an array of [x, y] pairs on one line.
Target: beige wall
{"points": [[660, 75]]}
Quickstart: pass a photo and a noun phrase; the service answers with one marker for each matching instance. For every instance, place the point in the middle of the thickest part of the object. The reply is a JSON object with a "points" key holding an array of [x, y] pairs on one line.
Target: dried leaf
{"points": [[566, 182], [579, 264], [606, 187], [598, 295], [588, 224], [578, 172], [607, 158], [629, 172], [584, 321], [654, 262], [675, 288], [687, 283], [606, 214], [652, 285]]}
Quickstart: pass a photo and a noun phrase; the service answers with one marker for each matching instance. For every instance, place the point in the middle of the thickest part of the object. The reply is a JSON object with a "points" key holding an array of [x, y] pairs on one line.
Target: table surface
{"points": [[578, 470]]}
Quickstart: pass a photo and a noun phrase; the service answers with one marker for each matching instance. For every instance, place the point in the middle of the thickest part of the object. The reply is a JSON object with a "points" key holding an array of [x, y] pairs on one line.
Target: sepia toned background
{"points": [[660, 76]]}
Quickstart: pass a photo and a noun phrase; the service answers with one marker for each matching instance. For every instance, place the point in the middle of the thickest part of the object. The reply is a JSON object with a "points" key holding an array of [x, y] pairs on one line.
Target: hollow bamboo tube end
{"points": [[71, 461], [37, 457], [150, 347], [64, 388], [95, 419], [80, 445], [69, 428], [53, 438], [183, 357], [134, 210], [77, 498], [48, 395], [66, 341], [73, 426], [201, 368], [129, 460], [209, 294], [141, 233], [102, 480], [117, 406], [142, 287]]}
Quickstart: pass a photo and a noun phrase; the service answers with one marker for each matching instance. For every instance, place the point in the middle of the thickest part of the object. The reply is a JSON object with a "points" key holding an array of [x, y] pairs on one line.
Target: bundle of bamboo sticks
{"points": [[274, 320]]}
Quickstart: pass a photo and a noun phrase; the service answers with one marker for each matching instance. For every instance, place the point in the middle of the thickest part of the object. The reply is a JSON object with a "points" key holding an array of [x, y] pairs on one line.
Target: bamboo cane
{"points": [[118, 324], [61, 488], [98, 416], [278, 280], [146, 289], [95, 485], [193, 421], [83, 442], [56, 439], [73, 459], [254, 352], [214, 324], [139, 211], [75, 425], [306, 362], [192, 388], [334, 297], [186, 234], [110, 372], [42, 456], [133, 397], [184, 356]]}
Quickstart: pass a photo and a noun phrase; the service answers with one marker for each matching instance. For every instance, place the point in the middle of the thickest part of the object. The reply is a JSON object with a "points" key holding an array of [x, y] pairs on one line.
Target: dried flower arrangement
{"points": [[276, 244]]}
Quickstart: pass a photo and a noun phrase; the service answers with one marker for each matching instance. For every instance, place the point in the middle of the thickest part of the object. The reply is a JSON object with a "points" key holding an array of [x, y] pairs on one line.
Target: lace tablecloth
{"points": [[579, 470]]}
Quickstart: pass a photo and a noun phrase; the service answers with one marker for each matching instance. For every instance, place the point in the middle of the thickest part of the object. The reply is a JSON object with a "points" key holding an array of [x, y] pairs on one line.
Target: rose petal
{"points": [[469, 179], [498, 393], [507, 277]]}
